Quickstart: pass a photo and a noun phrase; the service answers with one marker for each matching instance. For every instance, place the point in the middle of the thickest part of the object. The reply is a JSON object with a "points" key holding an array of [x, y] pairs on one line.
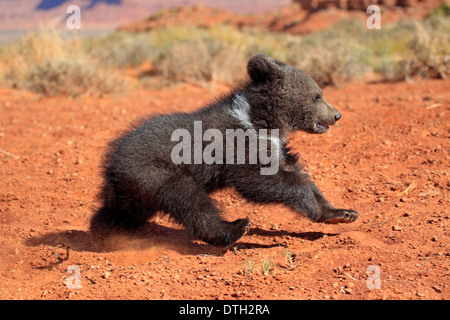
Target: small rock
{"points": [[106, 275], [437, 289], [274, 227], [79, 160], [347, 290]]}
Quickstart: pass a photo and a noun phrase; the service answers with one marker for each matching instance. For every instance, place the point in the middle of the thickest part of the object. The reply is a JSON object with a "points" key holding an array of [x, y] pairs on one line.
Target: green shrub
{"points": [[442, 10]]}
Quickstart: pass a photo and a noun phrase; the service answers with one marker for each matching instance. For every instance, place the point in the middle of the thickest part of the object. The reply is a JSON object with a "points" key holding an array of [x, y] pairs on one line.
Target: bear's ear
{"points": [[262, 68]]}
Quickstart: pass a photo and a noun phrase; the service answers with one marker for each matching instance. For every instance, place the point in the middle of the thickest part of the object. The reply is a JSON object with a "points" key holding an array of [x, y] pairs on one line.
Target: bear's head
{"points": [[296, 100]]}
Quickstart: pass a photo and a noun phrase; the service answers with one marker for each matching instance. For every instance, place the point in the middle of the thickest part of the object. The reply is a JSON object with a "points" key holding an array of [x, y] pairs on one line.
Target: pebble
{"points": [[437, 289], [347, 290]]}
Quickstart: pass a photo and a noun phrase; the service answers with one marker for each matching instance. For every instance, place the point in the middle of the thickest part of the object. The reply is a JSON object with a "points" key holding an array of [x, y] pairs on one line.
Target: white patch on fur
{"points": [[240, 110], [276, 141]]}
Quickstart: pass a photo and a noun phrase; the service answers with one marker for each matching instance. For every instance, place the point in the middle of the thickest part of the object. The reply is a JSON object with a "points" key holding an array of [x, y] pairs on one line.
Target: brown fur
{"points": [[140, 178]]}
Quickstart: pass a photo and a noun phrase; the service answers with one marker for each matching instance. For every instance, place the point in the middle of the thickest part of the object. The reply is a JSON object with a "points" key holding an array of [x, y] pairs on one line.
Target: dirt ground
{"points": [[388, 158]]}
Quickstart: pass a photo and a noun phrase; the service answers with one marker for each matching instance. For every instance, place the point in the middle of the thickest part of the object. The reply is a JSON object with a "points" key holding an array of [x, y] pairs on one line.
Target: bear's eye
{"points": [[316, 97]]}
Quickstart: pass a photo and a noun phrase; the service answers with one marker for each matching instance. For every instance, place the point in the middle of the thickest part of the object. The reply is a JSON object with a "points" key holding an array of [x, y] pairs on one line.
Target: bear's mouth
{"points": [[321, 128]]}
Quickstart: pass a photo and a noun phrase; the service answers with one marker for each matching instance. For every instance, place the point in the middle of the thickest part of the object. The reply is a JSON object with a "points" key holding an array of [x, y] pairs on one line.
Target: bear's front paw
{"points": [[339, 216]]}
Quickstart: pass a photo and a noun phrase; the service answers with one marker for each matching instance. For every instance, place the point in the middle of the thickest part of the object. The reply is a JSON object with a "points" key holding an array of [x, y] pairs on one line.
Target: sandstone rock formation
{"points": [[313, 5]]}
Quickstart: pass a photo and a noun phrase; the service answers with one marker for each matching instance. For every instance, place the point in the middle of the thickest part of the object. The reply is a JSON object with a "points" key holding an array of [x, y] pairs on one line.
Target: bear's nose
{"points": [[337, 116]]}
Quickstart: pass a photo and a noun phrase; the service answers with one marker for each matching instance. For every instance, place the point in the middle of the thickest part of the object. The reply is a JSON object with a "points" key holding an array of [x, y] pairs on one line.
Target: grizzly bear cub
{"points": [[170, 163]]}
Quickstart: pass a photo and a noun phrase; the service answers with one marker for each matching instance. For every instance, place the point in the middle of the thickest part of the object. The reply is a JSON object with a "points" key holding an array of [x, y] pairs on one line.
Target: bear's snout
{"points": [[331, 113], [327, 115]]}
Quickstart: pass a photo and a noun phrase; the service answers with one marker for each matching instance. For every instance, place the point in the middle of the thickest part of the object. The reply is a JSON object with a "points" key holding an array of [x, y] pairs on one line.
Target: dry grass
{"points": [[70, 77], [331, 62], [202, 63], [45, 63], [429, 54], [48, 64]]}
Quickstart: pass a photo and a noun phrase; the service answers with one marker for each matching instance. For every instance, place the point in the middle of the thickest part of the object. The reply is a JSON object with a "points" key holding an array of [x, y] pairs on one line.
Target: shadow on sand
{"points": [[154, 235]]}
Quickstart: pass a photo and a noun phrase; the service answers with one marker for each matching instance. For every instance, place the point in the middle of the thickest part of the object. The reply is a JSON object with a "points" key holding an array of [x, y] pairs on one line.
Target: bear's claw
{"points": [[340, 216]]}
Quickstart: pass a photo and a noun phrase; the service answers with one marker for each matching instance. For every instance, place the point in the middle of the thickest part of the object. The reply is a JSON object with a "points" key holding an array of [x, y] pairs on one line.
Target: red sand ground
{"points": [[387, 158]]}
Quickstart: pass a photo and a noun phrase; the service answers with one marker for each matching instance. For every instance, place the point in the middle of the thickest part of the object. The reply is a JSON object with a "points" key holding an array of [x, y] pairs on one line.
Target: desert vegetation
{"points": [[48, 63]]}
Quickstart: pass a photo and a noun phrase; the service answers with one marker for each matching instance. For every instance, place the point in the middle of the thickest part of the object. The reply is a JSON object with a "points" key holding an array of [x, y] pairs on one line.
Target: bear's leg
{"points": [[283, 187], [330, 214], [109, 219], [294, 190], [121, 211], [191, 206]]}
